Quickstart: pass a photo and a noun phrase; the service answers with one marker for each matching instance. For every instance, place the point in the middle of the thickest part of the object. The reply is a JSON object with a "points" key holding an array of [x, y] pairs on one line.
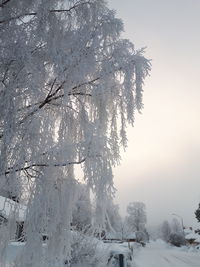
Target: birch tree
{"points": [[69, 85]]}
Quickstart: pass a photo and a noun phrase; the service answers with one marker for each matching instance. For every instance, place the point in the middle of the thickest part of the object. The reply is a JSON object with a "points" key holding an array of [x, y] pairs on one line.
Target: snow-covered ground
{"points": [[158, 254], [155, 254], [108, 251]]}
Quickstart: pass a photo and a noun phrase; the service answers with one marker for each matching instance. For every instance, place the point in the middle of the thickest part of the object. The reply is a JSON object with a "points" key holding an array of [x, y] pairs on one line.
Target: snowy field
{"points": [[158, 254]]}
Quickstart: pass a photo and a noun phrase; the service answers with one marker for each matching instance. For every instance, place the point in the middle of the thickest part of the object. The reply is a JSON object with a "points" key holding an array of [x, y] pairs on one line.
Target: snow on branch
{"points": [[64, 164], [35, 13]]}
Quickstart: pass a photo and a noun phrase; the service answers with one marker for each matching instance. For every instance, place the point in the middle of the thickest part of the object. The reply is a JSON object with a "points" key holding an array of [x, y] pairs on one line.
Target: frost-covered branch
{"points": [[4, 3], [64, 164], [35, 13]]}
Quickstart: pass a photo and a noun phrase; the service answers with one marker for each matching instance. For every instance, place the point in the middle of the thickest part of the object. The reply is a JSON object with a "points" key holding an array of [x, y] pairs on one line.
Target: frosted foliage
{"points": [[113, 218], [87, 251], [66, 79], [165, 231], [82, 212], [176, 226], [136, 218]]}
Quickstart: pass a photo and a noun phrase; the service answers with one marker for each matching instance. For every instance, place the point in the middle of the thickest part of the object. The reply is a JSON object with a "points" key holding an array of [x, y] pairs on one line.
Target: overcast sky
{"points": [[161, 166]]}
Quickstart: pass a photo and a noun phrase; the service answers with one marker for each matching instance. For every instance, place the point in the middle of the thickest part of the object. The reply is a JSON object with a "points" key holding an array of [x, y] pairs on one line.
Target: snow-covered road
{"points": [[158, 255]]}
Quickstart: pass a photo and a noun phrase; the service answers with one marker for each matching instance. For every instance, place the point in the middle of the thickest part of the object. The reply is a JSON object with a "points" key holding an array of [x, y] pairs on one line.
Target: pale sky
{"points": [[161, 166]]}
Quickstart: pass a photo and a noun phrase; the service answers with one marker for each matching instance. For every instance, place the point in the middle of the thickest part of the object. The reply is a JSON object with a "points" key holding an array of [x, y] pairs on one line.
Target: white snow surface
{"points": [[15, 248], [155, 254], [192, 236], [159, 254]]}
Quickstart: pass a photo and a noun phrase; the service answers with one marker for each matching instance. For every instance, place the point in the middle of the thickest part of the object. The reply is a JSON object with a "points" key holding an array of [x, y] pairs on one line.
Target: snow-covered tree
{"points": [[176, 226], [165, 231], [113, 218], [177, 237], [82, 212], [69, 84], [136, 218]]}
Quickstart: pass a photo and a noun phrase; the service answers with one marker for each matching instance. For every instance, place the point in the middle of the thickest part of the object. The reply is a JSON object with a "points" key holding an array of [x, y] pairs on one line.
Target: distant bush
{"points": [[177, 239], [142, 236]]}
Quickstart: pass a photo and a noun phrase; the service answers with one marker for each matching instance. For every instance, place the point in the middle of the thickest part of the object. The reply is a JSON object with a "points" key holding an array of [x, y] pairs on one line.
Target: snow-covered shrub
{"points": [[177, 239], [142, 236], [88, 251]]}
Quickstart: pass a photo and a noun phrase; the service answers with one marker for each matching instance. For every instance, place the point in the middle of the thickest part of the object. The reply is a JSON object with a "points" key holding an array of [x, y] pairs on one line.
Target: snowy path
{"points": [[156, 255]]}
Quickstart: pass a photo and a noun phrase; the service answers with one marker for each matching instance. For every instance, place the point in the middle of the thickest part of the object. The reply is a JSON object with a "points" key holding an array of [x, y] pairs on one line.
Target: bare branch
{"points": [[64, 164], [4, 3], [53, 96], [6, 71], [18, 17], [35, 13]]}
